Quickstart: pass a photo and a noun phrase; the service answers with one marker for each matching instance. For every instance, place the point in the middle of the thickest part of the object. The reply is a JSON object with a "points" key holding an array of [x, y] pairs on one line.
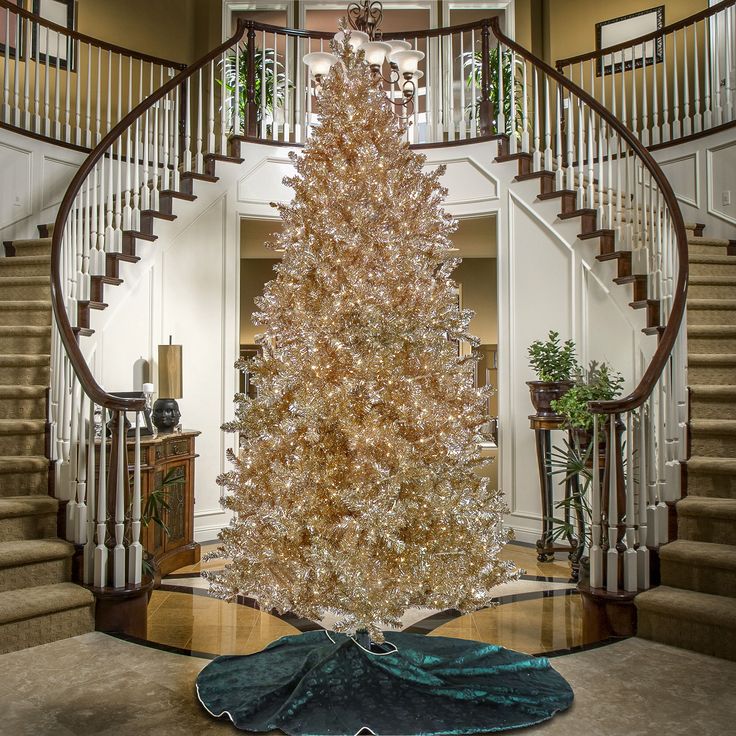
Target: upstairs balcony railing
{"points": [[676, 82], [66, 86]]}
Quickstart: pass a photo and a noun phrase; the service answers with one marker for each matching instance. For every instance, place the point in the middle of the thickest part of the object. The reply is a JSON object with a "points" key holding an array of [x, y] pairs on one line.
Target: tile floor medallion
{"points": [[540, 613]]}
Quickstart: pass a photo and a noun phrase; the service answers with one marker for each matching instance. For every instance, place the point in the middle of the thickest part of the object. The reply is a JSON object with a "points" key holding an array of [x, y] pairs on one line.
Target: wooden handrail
{"points": [[667, 341], [88, 39], [79, 364], [671, 28]]}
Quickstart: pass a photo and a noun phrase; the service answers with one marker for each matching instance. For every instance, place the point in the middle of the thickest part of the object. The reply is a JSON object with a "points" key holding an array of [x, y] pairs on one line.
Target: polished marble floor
{"points": [[540, 613]]}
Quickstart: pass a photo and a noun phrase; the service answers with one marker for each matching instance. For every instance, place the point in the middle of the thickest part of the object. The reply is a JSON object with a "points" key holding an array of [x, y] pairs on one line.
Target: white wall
{"points": [[33, 178], [700, 171]]}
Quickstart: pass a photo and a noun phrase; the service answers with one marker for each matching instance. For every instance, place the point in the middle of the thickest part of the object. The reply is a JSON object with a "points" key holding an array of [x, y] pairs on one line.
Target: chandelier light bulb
{"points": [[319, 63], [375, 52], [407, 61], [357, 38]]}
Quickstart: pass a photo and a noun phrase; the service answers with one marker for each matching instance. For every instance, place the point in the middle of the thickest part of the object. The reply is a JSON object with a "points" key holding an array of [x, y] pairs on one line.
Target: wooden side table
{"points": [[170, 459], [546, 548]]}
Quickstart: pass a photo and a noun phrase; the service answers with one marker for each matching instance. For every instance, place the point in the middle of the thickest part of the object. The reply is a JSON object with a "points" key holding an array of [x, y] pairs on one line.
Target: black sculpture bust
{"points": [[165, 415]]}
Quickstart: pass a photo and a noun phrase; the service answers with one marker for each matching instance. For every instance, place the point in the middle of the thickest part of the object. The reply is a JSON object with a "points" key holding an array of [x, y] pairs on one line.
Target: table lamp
{"points": [[166, 412]]}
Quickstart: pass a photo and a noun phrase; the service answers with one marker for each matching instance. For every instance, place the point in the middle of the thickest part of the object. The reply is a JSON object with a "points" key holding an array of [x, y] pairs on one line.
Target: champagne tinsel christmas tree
{"points": [[356, 490]]}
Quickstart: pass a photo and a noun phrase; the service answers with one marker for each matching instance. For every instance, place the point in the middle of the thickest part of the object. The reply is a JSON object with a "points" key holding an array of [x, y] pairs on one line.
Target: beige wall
{"points": [[254, 273], [479, 281], [569, 25]]}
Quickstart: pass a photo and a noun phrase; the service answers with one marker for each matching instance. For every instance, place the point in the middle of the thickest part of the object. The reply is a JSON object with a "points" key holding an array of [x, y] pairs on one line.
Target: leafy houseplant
{"points": [[555, 364], [270, 84], [472, 62], [598, 383]]}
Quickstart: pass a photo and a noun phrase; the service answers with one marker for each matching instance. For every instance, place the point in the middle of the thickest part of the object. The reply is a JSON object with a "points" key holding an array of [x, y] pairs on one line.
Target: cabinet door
{"points": [[175, 481]]}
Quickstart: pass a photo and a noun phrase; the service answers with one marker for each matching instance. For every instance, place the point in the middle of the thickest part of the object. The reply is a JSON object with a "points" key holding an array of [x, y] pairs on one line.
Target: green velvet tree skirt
{"points": [[310, 685]]}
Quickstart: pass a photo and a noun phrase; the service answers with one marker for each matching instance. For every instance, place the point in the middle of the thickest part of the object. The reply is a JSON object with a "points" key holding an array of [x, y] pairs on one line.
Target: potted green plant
{"points": [[555, 365], [598, 383], [472, 62], [270, 84]]}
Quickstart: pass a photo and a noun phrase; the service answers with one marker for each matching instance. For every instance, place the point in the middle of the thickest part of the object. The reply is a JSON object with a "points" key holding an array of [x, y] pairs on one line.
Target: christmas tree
{"points": [[355, 489]]}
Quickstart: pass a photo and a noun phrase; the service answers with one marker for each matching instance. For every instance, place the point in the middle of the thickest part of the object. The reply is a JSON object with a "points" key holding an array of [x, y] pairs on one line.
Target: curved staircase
{"points": [[695, 606], [38, 601]]}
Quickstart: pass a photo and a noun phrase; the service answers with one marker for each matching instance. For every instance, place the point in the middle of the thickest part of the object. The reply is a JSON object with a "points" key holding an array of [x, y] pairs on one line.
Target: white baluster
{"points": [[167, 105], [580, 154], [729, 24], [100, 563], [501, 117], [525, 112], [537, 147], [634, 102], [187, 157], [199, 158], [89, 546], [71, 411], [287, 91], [177, 108], [80, 534], [88, 105], [596, 552], [642, 553], [98, 98], [630, 567], [6, 70], [686, 120], [46, 86], [211, 143], [29, 26], [473, 93], [57, 86], [547, 128], [109, 92], [118, 561], [666, 113], [127, 222], [676, 123], [612, 554], [591, 159], [656, 136], [16, 78], [463, 126], [697, 114], [644, 98], [447, 63], [560, 172], [135, 550]]}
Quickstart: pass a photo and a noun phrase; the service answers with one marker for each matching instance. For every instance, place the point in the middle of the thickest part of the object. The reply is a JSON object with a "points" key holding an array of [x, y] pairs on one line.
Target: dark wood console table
{"points": [[170, 459]]}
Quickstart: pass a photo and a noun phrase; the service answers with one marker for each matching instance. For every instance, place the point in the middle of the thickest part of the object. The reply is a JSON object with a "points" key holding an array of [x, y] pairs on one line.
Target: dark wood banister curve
{"points": [[79, 364], [667, 341], [671, 28], [88, 39]]}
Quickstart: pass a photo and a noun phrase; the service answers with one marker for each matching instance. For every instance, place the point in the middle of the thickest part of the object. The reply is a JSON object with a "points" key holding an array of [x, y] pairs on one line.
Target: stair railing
{"points": [[603, 175], [65, 86], [128, 180], [672, 83], [456, 92]]}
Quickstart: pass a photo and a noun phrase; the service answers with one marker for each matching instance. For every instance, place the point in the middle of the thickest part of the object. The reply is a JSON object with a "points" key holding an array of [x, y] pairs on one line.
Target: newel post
{"points": [[251, 109], [486, 117]]}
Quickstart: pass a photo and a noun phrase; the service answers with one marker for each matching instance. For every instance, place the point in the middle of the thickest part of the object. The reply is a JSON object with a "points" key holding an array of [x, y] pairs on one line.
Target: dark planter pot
{"points": [[543, 393]]}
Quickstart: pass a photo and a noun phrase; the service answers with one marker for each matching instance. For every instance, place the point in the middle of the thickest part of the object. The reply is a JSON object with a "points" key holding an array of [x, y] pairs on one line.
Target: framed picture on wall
{"points": [[627, 28], [51, 46], [10, 36]]}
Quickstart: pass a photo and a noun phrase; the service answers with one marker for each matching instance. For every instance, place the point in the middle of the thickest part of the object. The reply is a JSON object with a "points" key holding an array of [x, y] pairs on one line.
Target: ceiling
{"points": [[474, 238]]}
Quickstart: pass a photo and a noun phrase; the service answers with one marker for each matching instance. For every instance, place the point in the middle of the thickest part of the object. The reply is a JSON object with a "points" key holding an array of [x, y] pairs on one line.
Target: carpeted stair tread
{"points": [[33, 551], [713, 426], [12, 506], [22, 426], [711, 358], [20, 360], [689, 605], [711, 303], [25, 259], [24, 280], [25, 392], [703, 506], [712, 280], [25, 330], [24, 464], [25, 603], [713, 465], [704, 240], [711, 330], [28, 304], [707, 258], [700, 553], [31, 241]]}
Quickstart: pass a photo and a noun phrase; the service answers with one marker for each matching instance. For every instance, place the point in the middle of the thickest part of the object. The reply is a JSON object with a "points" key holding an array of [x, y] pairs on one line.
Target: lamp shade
{"points": [[407, 61], [169, 372], [375, 52], [319, 62], [398, 46], [357, 38]]}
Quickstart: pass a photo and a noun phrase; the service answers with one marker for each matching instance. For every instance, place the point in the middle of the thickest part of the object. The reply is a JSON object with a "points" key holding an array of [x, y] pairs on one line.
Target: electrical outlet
{"points": [[726, 197]]}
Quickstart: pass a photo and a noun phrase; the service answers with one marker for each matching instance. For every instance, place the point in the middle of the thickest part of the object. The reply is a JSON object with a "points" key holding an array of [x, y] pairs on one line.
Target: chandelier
{"points": [[365, 21]]}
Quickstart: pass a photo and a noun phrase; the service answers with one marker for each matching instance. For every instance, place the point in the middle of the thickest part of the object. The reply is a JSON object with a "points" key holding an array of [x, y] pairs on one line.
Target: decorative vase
{"points": [[543, 393]]}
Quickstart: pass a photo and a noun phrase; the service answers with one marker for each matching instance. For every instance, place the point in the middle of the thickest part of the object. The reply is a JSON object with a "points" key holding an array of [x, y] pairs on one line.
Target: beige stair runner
{"points": [[695, 607], [38, 603]]}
